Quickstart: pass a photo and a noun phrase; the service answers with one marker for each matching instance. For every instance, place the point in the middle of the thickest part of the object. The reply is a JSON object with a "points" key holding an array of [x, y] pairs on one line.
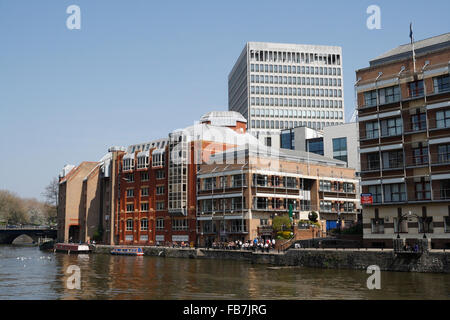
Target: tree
{"points": [[280, 223], [12, 209], [51, 195], [313, 216]]}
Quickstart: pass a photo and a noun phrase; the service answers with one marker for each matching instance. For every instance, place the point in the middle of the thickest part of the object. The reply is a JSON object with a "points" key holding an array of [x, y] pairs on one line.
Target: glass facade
{"points": [[340, 149]]}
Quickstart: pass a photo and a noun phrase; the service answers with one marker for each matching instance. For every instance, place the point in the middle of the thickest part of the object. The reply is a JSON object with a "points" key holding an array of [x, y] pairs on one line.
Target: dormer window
{"points": [[142, 160], [158, 158], [128, 162]]}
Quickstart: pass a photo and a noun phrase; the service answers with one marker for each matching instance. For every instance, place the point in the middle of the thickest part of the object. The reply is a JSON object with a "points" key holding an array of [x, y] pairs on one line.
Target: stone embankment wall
{"points": [[433, 261]]}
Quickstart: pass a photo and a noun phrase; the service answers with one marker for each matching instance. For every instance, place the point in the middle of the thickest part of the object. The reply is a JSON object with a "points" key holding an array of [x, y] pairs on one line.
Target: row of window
{"points": [[160, 174], [158, 159], [148, 146], [177, 224], [415, 89], [289, 113], [275, 124], [306, 92], [304, 81], [394, 127], [295, 57], [336, 186], [160, 206], [295, 69], [329, 206], [295, 102]]}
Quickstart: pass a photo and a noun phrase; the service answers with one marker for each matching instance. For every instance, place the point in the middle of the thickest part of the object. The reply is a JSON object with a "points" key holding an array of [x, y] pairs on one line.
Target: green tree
{"points": [[313, 216], [281, 223]]}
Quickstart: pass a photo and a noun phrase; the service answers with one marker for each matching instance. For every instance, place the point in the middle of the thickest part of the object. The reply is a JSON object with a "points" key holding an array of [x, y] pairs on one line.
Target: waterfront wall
{"points": [[433, 261]]}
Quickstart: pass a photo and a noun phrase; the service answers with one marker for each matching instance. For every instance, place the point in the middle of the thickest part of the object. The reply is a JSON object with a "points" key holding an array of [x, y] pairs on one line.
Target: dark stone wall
{"points": [[387, 260]]}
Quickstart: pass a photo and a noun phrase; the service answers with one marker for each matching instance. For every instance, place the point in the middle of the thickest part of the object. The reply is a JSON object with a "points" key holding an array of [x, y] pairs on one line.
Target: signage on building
{"points": [[366, 198], [178, 238], [159, 237]]}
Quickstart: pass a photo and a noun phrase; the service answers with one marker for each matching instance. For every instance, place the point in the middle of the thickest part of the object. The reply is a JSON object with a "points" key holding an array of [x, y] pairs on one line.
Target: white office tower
{"points": [[279, 86]]}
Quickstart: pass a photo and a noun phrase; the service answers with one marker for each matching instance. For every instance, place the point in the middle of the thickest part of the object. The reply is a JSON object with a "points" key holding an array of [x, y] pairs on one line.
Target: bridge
{"points": [[8, 234]]}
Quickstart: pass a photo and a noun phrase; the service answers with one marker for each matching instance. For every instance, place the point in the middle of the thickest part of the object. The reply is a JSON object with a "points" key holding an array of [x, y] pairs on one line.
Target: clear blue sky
{"points": [[138, 69]]}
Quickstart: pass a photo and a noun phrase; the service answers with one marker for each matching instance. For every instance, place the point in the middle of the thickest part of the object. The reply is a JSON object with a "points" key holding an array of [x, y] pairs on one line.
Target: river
{"points": [[28, 273]]}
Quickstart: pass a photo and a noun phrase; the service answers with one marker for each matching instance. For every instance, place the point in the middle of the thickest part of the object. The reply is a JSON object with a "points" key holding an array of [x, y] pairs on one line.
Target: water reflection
{"points": [[27, 273]]}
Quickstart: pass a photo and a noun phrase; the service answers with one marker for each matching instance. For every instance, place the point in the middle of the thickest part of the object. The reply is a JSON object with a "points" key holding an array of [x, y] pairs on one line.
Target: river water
{"points": [[28, 273]]}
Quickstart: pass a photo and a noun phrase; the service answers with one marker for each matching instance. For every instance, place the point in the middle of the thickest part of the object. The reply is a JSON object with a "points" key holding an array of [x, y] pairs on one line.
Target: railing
{"points": [[13, 227], [442, 123], [441, 194], [411, 126], [416, 92], [442, 88]]}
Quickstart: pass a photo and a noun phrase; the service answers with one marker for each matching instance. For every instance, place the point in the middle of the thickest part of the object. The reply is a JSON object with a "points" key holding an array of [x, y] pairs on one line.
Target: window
{"points": [[160, 205], [446, 224], [444, 189], [179, 224], [371, 130], [377, 225], [373, 161], [130, 193], [420, 155], [418, 122], [423, 190], [443, 119], [144, 224], [444, 153], [158, 159], [376, 193], [129, 177], [144, 176], [237, 180], [391, 127], [144, 192], [128, 164], [402, 227], [160, 224], [426, 225], [370, 98], [415, 88], [389, 95], [159, 190], [392, 159], [129, 225], [441, 84], [394, 192], [130, 207], [340, 149], [144, 206], [325, 185], [142, 162]]}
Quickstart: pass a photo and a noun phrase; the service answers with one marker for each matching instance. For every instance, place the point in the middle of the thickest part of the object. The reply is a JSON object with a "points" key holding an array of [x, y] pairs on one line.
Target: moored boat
{"points": [[72, 248], [128, 251]]}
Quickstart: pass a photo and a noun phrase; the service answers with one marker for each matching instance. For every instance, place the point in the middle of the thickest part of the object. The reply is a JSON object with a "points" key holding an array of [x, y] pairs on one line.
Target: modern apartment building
{"points": [[404, 133], [238, 200], [278, 86]]}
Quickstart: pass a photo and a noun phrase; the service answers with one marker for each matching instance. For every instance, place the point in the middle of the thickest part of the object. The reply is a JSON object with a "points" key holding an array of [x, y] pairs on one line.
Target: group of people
{"points": [[414, 248], [257, 244]]}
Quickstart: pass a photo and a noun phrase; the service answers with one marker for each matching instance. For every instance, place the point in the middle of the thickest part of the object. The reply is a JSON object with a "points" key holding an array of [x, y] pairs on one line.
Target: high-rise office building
{"points": [[278, 86]]}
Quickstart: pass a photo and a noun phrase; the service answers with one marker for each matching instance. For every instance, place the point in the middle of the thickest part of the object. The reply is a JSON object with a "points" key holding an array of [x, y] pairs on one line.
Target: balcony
{"points": [[440, 158], [441, 194]]}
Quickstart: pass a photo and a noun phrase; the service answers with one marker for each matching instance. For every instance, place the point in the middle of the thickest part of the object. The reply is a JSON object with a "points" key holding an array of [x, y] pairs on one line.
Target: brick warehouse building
{"points": [[404, 131], [157, 181]]}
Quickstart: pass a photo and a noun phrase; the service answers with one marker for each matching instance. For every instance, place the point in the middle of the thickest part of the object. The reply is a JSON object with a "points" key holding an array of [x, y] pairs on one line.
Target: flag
{"points": [[411, 32]]}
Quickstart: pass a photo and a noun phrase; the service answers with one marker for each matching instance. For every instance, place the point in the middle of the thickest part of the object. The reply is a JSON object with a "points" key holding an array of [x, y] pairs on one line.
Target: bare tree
{"points": [[51, 195]]}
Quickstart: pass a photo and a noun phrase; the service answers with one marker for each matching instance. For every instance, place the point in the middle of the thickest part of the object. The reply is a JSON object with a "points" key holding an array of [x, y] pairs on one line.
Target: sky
{"points": [[136, 70]]}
